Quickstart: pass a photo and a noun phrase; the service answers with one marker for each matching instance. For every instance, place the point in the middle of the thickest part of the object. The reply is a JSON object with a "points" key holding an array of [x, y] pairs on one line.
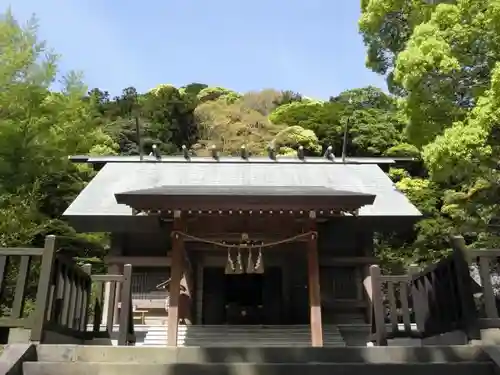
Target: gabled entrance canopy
{"points": [[243, 198]]}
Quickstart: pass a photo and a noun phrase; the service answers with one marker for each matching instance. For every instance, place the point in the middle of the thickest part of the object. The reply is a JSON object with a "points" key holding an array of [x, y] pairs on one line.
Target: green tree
{"points": [[445, 62], [291, 138], [372, 121], [366, 98], [230, 126], [171, 116], [386, 26], [218, 93], [38, 130]]}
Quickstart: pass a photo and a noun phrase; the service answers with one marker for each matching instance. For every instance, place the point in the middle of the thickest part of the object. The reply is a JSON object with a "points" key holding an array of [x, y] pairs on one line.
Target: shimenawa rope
{"points": [[243, 245]]}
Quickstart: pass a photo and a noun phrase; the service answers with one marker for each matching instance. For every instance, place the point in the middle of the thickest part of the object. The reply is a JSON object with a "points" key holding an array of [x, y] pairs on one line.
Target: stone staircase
{"points": [[101, 360], [243, 336]]}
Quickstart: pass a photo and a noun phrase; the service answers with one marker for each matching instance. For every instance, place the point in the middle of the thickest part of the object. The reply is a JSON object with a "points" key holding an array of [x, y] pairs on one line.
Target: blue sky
{"points": [[309, 46]]}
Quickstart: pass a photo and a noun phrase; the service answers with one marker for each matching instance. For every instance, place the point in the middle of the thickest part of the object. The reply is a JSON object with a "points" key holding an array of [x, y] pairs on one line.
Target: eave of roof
{"points": [[220, 197]]}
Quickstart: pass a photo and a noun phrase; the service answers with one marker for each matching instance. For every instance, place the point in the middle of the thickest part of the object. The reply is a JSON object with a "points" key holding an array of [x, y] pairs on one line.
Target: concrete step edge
{"points": [[230, 364]]}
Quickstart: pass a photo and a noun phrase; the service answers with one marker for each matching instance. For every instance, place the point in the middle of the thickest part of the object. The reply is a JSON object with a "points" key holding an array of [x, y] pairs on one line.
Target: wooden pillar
{"points": [[367, 293], [314, 284], [287, 291], [112, 291], [113, 269], [106, 306], [378, 305], [367, 251], [198, 293], [185, 303], [175, 281]]}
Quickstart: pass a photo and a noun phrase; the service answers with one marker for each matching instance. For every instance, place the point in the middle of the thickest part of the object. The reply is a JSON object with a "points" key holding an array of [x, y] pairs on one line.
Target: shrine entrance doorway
{"points": [[242, 299]]}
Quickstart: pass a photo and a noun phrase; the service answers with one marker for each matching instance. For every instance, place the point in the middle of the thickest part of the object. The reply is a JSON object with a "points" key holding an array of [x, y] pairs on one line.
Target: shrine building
{"points": [[243, 240]]}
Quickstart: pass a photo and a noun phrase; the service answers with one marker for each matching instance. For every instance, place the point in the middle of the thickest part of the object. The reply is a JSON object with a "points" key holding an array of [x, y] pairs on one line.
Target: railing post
{"points": [[458, 244], [378, 305], [87, 268], [42, 295], [488, 293], [367, 284], [126, 302], [418, 300], [462, 260]]}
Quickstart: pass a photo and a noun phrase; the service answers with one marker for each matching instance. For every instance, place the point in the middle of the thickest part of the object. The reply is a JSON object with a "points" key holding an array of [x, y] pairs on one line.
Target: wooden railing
{"points": [[64, 295], [382, 286], [436, 300], [21, 259], [444, 301], [488, 316], [65, 309], [117, 283]]}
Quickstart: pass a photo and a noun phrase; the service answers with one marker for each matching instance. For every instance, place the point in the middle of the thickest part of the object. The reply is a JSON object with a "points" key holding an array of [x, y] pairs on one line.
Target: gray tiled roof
{"points": [[98, 196]]}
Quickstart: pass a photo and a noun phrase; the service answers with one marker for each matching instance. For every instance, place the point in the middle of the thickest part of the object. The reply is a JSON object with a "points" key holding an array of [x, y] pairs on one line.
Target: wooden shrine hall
{"points": [[243, 240]]}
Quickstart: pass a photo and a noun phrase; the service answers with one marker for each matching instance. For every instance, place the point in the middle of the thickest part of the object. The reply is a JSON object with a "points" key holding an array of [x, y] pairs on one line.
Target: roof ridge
{"points": [[285, 159]]}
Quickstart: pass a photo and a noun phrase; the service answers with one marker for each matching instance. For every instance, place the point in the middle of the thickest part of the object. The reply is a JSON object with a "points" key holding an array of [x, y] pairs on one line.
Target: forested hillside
{"points": [[441, 64]]}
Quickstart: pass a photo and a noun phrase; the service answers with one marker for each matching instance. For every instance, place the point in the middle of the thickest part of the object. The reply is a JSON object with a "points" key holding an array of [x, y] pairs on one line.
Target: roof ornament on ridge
{"points": [[271, 152], [329, 153], [300, 153], [244, 153], [185, 152], [215, 154], [155, 152]]}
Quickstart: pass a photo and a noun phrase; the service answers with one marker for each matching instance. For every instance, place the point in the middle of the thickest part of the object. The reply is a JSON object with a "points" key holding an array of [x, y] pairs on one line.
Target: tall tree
{"points": [[38, 130], [445, 62]]}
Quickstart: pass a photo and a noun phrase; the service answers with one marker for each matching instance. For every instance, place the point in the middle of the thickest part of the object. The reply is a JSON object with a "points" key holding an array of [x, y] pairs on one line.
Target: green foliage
{"points": [[372, 132], [291, 138], [365, 98], [441, 59], [170, 116], [425, 194], [193, 89], [404, 150], [386, 26], [230, 126], [38, 130], [373, 124], [441, 65], [218, 93]]}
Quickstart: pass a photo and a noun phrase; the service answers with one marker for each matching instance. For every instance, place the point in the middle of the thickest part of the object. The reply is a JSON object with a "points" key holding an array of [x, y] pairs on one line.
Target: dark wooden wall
{"points": [[339, 239], [343, 299], [145, 244]]}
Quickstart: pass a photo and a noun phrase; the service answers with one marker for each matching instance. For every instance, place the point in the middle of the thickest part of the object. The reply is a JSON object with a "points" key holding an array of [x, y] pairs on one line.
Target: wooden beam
{"points": [[314, 286], [243, 202], [186, 302], [331, 261], [137, 261], [236, 237], [175, 282]]}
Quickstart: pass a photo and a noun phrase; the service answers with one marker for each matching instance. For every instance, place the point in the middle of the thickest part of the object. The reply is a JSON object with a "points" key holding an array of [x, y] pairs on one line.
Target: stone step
{"points": [[244, 338], [242, 328], [268, 331], [235, 334], [249, 335], [232, 343], [241, 335], [159, 355], [78, 368], [238, 334]]}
